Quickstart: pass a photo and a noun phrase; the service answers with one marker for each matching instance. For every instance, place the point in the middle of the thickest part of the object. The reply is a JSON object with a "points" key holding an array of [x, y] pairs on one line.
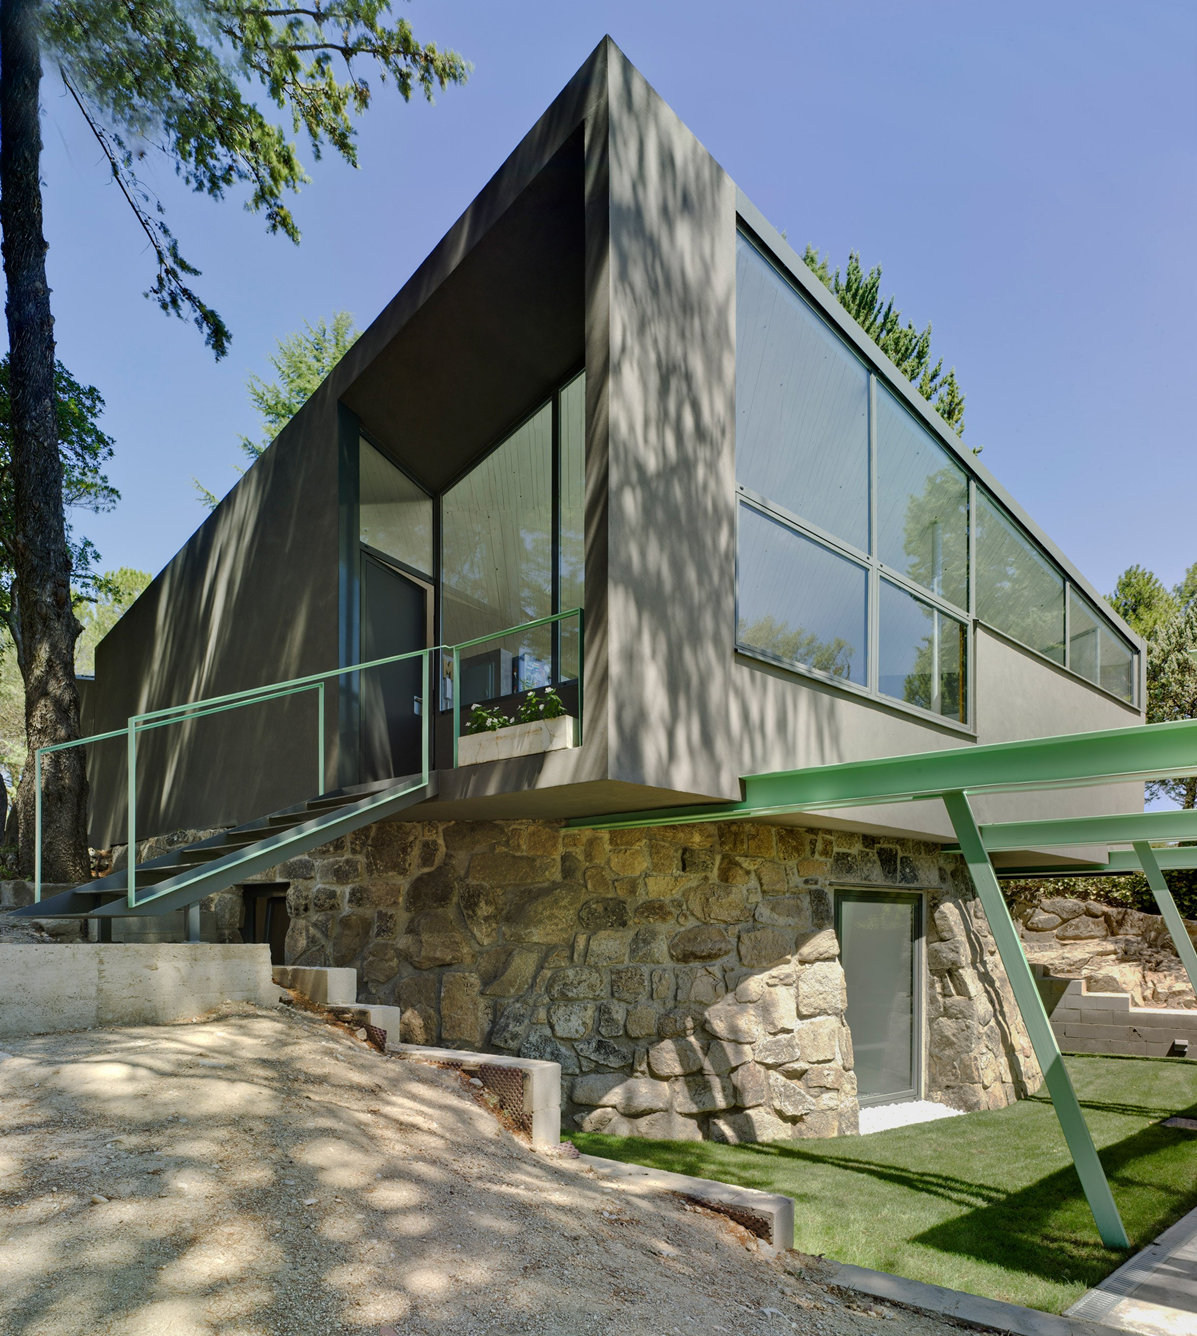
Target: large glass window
{"points": [[394, 513], [1018, 590], [1095, 652], [798, 601], [802, 405], [822, 445], [512, 550], [921, 654], [922, 504]]}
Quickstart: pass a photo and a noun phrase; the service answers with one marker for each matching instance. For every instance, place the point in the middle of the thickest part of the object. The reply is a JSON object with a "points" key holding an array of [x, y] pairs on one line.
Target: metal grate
{"points": [[507, 1085]]}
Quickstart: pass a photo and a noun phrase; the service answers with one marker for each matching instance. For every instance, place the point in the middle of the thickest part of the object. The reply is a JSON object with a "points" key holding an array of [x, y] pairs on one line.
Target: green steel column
{"points": [[1163, 898], [1026, 994]]}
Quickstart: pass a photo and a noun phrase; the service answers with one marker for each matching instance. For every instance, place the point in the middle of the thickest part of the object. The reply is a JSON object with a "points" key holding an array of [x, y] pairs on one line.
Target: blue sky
{"points": [[1025, 173]]}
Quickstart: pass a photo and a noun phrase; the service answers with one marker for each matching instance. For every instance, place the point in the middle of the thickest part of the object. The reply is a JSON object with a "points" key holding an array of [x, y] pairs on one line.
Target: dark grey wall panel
{"points": [[251, 598], [672, 430]]}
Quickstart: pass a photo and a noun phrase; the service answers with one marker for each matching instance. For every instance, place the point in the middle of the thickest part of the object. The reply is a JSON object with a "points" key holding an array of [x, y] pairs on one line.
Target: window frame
{"points": [[553, 401], [749, 233]]}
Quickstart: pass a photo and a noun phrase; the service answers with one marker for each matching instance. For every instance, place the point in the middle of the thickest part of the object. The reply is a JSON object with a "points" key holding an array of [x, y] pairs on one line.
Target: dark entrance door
{"points": [[394, 621]]}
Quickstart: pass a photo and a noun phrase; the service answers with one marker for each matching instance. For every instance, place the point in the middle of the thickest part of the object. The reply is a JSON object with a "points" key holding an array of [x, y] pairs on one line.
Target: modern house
{"points": [[614, 388]]}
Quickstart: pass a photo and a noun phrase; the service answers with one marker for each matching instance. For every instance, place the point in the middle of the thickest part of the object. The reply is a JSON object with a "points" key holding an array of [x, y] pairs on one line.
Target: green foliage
{"points": [[180, 78], [548, 705], [859, 293], [1186, 591], [112, 594], [85, 450], [119, 590], [485, 720], [1172, 691], [301, 362], [1142, 600]]}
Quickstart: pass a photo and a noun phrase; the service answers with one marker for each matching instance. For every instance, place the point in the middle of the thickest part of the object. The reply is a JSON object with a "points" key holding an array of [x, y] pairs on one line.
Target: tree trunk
{"points": [[45, 628]]}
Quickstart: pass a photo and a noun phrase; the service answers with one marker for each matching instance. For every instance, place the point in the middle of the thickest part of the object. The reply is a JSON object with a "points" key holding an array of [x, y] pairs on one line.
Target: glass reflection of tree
{"points": [[778, 638], [936, 546], [936, 682], [936, 536], [1016, 589]]}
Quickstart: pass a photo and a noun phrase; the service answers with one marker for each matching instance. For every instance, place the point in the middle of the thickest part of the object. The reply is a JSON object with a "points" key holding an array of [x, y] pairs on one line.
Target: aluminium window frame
{"points": [[552, 400], [752, 226]]}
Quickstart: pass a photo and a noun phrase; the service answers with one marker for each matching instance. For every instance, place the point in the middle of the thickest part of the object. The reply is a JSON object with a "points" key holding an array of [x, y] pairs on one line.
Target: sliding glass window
{"points": [[512, 552]]}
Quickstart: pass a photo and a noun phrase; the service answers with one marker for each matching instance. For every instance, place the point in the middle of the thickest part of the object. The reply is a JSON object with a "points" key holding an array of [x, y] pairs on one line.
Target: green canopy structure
{"points": [[1148, 751]]}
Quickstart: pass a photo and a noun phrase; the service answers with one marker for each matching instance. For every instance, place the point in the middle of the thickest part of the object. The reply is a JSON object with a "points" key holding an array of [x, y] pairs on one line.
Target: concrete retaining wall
{"points": [[51, 987], [1107, 1023]]}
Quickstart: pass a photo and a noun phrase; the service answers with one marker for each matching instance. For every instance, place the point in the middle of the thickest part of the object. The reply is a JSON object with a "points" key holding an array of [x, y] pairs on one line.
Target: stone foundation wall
{"points": [[686, 978]]}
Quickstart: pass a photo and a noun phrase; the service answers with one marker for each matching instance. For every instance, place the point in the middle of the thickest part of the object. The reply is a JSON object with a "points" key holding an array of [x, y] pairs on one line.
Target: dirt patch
{"points": [[261, 1173]]}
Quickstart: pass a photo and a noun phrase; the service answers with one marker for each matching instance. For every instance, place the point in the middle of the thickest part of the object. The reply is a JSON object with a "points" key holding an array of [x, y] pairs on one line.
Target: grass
{"points": [[988, 1202]]}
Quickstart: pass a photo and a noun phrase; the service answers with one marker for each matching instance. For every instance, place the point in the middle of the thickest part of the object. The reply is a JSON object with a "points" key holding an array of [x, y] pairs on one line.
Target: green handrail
{"points": [[552, 620], [174, 714]]}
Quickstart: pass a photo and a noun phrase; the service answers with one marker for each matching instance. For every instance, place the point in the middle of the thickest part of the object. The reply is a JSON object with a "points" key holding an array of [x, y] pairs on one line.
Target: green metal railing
{"points": [[178, 714], [554, 620]]}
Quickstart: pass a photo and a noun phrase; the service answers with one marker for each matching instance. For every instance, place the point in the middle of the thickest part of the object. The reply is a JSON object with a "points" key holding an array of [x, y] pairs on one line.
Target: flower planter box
{"points": [[541, 735]]}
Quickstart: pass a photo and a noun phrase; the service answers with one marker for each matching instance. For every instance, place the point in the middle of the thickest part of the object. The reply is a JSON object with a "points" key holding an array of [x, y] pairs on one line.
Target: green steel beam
{"points": [[1043, 1041], [1121, 829], [1119, 863], [1163, 897], [1144, 751]]}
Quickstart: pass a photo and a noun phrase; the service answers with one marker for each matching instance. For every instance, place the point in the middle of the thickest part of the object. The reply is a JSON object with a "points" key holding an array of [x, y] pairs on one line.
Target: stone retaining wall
{"points": [[686, 978], [1112, 948]]}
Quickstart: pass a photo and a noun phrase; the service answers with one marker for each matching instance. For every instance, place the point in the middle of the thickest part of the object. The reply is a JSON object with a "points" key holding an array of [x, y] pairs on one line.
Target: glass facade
{"points": [[923, 653], [1018, 590], [881, 603], [512, 549], [922, 504], [802, 406], [394, 513], [799, 601]]}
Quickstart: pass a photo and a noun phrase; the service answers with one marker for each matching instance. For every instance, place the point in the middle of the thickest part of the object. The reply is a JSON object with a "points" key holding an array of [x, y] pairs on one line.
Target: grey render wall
{"points": [[671, 564], [685, 710]]}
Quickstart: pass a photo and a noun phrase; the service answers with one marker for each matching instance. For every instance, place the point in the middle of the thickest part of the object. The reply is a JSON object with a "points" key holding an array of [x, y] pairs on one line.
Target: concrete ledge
{"points": [[46, 988], [541, 1112], [329, 987], [965, 1307], [768, 1214]]}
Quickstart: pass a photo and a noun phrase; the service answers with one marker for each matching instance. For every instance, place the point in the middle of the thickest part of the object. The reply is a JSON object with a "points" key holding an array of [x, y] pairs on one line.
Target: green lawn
{"points": [[988, 1202]]}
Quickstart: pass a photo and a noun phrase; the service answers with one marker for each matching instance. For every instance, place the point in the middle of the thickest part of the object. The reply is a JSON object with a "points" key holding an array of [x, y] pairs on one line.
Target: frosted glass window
{"points": [[497, 561], [802, 405], [922, 654], [1096, 652], [1018, 590], [394, 513], [922, 504], [800, 602]]}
